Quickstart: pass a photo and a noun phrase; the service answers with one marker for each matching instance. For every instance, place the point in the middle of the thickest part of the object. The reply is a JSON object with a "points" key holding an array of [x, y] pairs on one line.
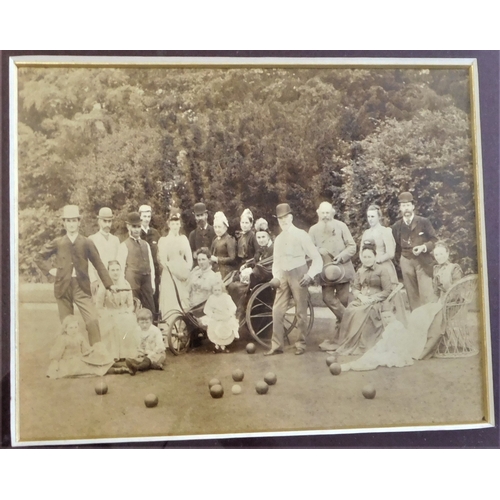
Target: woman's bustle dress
{"points": [[361, 324], [176, 260], [117, 320]]}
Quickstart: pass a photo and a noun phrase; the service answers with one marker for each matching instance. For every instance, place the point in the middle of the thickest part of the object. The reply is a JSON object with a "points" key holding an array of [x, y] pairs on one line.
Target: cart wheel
{"points": [[178, 335], [259, 315]]}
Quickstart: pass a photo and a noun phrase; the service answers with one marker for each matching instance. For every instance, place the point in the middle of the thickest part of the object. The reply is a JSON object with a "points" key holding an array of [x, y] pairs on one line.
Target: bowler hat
{"points": [[134, 218], [199, 208], [405, 197], [105, 213], [332, 273], [71, 212], [144, 208], [283, 209]]}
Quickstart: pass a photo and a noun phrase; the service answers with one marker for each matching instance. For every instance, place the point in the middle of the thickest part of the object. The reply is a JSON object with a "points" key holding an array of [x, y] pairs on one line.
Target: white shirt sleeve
{"points": [[122, 255]]}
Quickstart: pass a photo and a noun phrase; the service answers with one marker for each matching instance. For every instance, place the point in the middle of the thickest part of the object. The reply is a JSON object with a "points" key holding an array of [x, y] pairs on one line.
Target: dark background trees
{"points": [[238, 138]]}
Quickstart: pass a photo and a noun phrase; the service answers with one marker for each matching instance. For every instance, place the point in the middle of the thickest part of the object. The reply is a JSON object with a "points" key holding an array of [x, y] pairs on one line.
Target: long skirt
{"points": [[426, 327], [119, 333], [360, 328], [393, 349], [168, 297]]}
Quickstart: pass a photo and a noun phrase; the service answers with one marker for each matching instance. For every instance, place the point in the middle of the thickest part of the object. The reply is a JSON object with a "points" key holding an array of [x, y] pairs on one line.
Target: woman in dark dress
{"points": [[247, 243], [223, 247], [361, 324]]}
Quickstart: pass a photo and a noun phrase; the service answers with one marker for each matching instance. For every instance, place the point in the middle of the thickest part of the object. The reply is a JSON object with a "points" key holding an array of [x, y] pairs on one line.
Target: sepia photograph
{"points": [[228, 247]]}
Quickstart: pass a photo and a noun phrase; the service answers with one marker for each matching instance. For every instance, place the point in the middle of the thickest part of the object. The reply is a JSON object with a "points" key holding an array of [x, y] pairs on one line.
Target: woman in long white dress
{"points": [[116, 316], [393, 349], [385, 247], [176, 260]]}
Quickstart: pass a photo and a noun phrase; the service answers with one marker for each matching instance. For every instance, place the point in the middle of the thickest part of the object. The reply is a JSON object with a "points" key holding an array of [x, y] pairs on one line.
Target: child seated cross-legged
{"points": [[151, 352], [220, 311]]}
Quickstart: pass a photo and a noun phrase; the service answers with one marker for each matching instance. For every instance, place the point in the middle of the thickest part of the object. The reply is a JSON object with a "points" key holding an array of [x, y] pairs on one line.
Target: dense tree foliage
{"points": [[244, 137]]}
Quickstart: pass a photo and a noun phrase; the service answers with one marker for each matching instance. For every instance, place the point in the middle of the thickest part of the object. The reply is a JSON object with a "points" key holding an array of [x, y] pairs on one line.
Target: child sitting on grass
{"points": [[151, 352], [72, 356]]}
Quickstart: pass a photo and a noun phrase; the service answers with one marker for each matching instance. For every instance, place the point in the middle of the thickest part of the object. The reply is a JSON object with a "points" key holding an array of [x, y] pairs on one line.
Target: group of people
{"points": [[107, 280]]}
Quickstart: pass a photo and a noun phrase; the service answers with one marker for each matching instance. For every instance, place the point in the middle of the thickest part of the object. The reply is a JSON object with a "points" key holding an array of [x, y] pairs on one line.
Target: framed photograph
{"points": [[228, 247]]}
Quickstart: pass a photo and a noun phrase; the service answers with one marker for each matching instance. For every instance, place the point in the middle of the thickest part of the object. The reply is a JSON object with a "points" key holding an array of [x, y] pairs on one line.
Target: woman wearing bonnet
{"points": [[223, 247]]}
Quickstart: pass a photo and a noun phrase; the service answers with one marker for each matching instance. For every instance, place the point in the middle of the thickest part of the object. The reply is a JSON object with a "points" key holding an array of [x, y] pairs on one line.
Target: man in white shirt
{"points": [[135, 258], [291, 278], [106, 243]]}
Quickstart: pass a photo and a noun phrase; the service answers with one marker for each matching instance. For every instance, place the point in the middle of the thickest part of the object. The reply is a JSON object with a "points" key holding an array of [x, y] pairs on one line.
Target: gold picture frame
{"points": [[312, 401]]}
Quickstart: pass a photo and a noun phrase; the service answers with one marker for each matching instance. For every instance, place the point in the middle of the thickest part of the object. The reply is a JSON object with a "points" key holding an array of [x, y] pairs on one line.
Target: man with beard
{"points": [[336, 246], [106, 243], [204, 234], [415, 238], [136, 259], [151, 236]]}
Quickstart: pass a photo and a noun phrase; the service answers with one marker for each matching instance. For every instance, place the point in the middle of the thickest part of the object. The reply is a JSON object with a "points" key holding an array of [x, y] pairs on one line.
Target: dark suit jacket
{"points": [[421, 233], [69, 255], [152, 237]]}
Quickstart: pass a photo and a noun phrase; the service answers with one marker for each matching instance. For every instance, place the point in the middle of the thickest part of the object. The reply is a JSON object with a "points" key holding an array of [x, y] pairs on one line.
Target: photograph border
{"points": [[331, 62]]}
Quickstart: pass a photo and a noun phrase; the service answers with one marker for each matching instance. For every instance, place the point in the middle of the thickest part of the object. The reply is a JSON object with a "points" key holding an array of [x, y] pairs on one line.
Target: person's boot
{"points": [[144, 365], [132, 366]]}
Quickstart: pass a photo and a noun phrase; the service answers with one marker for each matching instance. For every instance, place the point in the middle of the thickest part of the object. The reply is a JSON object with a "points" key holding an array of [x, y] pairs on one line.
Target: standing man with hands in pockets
{"points": [[291, 278]]}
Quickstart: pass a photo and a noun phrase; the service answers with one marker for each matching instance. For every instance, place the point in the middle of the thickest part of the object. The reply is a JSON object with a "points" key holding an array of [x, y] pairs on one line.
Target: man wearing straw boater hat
{"points": [[73, 253], [106, 243], [415, 238], [291, 278], [337, 247], [135, 258], [204, 234]]}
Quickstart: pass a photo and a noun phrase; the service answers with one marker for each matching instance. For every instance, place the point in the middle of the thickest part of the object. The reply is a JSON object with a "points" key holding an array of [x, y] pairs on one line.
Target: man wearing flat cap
{"points": [[136, 259], [336, 247], [204, 234], [106, 243], [73, 252], [415, 238], [151, 236], [291, 278]]}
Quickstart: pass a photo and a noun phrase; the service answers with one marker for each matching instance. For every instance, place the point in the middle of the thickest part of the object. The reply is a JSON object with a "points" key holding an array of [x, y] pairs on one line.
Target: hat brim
{"points": [[337, 280], [282, 215]]}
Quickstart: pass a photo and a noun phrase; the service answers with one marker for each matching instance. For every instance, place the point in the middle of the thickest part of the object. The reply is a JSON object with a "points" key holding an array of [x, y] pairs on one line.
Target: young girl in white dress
{"points": [[220, 311], [72, 356]]}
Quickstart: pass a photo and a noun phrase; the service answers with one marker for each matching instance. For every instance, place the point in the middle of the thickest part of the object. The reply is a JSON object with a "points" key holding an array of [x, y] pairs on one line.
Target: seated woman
{"points": [[393, 349], [116, 315], [252, 272], [201, 278], [361, 324], [426, 322]]}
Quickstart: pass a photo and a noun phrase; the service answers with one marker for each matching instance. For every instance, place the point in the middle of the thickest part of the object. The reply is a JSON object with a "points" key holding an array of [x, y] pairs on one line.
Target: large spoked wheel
{"points": [[259, 315], [178, 335]]}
